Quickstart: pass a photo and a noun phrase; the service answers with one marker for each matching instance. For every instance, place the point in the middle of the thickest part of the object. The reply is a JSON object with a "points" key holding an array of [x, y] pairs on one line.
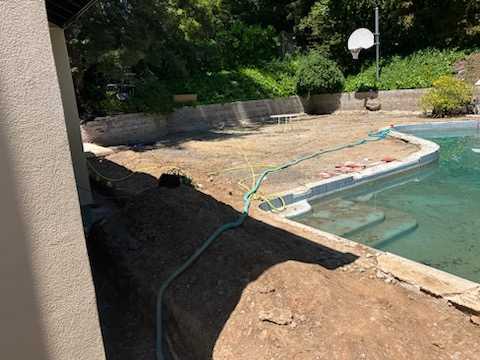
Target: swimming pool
{"points": [[430, 215]]}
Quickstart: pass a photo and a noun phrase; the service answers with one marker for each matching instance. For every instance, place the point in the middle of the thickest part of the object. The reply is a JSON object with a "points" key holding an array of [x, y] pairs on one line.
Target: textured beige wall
{"points": [[70, 109], [47, 300]]}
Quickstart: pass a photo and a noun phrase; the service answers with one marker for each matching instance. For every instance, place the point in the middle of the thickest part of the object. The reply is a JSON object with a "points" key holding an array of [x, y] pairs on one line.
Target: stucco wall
{"points": [[44, 263], [72, 119]]}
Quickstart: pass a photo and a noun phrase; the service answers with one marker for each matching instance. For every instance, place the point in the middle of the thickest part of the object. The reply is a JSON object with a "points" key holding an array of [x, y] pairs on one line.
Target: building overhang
{"points": [[63, 12]]}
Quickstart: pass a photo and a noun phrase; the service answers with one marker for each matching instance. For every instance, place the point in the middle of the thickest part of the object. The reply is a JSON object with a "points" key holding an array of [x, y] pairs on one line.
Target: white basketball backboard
{"points": [[361, 39]]}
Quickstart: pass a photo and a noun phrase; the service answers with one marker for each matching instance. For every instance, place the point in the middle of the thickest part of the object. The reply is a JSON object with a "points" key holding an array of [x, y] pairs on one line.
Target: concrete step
{"points": [[396, 225], [343, 218]]}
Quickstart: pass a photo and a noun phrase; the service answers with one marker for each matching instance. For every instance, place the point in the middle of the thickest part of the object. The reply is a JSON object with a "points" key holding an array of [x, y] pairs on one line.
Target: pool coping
{"points": [[427, 154], [462, 293]]}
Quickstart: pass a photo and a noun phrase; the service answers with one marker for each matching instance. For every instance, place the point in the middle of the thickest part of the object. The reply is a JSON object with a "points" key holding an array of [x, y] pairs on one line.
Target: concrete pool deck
{"points": [[207, 157]]}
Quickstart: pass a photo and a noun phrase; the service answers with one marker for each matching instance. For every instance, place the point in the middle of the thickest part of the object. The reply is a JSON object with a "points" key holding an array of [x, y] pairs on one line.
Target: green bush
{"points": [[269, 80], [415, 71], [317, 75], [447, 96]]}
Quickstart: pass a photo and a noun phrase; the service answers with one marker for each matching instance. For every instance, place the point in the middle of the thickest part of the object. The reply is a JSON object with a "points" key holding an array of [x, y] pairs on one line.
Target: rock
{"points": [[390, 280], [373, 105], [388, 159], [266, 289], [438, 344], [276, 316], [325, 175], [475, 319], [301, 318]]}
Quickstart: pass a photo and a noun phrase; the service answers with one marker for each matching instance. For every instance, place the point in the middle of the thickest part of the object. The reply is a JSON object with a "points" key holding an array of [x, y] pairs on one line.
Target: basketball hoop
{"points": [[355, 53], [361, 39]]}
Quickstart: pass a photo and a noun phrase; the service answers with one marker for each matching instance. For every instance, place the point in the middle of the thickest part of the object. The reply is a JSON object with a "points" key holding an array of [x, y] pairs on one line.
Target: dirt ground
{"points": [[218, 160], [259, 292]]}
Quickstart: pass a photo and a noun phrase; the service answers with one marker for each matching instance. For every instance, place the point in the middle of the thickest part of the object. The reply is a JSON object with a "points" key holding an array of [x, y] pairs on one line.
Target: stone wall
{"points": [[141, 128]]}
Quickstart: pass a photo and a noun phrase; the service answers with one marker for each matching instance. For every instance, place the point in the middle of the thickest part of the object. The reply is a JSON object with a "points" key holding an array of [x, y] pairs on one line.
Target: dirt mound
{"points": [[261, 292]]}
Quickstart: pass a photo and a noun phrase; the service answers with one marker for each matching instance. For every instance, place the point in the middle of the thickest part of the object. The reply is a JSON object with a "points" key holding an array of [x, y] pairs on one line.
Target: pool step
{"points": [[396, 224], [343, 217]]}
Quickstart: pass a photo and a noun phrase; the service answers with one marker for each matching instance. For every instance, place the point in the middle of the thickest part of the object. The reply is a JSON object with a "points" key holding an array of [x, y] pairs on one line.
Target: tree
{"points": [[406, 25]]}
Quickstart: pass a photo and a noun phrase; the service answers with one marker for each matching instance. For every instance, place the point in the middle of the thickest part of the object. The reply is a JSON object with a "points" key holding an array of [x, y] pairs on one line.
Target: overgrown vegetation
{"points": [[226, 50], [269, 80], [414, 71], [448, 96]]}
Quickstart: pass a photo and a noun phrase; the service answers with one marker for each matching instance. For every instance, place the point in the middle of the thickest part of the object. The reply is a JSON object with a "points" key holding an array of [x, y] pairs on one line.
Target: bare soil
{"points": [[259, 292]]}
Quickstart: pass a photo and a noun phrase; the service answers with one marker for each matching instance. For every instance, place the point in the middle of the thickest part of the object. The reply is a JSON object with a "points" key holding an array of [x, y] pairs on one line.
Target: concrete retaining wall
{"points": [[141, 128], [239, 113], [128, 129], [397, 100]]}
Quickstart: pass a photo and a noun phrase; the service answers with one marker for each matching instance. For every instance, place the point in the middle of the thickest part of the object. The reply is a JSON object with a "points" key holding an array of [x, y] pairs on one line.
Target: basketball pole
{"points": [[377, 39]]}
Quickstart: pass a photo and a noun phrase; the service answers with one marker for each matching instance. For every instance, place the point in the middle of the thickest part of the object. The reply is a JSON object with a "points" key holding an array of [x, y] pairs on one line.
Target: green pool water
{"points": [[431, 215]]}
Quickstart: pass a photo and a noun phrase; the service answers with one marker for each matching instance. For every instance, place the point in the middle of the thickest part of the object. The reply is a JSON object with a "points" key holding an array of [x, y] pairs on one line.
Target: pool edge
{"points": [[461, 293], [427, 154]]}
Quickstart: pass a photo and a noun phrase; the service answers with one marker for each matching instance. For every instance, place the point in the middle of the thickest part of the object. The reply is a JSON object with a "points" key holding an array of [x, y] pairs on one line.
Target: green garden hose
{"points": [[247, 201]]}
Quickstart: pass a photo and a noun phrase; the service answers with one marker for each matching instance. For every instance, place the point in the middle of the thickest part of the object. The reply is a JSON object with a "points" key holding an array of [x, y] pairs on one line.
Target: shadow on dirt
{"points": [[136, 249], [176, 141]]}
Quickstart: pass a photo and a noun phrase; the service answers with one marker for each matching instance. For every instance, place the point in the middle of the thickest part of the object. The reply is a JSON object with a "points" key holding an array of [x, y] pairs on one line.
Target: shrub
{"points": [[316, 75], [447, 96], [270, 80], [414, 71]]}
